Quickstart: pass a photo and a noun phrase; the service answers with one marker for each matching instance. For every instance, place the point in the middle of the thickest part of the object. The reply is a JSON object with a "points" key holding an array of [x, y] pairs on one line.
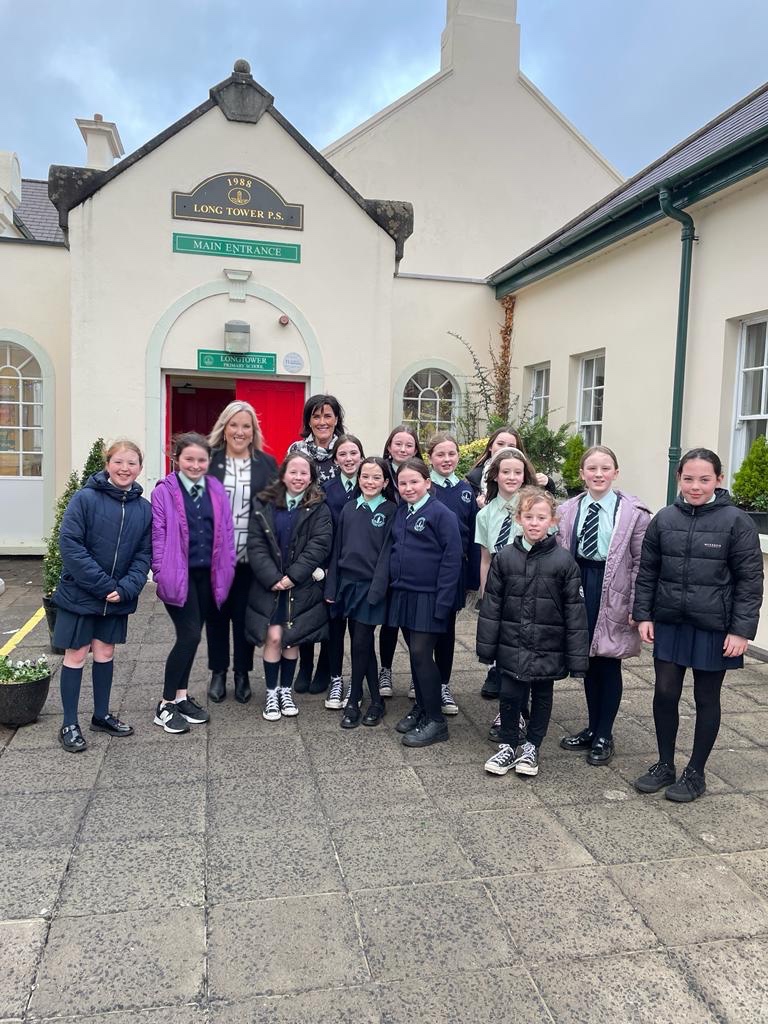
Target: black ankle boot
{"points": [[217, 688], [242, 688]]}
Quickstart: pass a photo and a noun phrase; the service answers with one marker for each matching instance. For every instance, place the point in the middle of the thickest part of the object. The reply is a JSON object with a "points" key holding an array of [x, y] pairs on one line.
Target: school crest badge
{"points": [[378, 520], [420, 524], [466, 497]]}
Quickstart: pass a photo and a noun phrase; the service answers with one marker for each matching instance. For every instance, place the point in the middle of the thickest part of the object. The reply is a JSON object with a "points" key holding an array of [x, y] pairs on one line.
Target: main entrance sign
{"points": [[236, 198], [236, 362], [210, 245]]}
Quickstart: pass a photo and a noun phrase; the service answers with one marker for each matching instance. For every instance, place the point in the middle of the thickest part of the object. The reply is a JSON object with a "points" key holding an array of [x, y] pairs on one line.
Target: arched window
{"points": [[430, 402], [21, 412]]}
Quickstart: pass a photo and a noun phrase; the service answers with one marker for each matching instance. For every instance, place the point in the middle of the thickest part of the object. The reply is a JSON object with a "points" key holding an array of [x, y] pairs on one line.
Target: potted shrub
{"points": [[23, 690], [574, 450], [750, 484], [52, 566]]}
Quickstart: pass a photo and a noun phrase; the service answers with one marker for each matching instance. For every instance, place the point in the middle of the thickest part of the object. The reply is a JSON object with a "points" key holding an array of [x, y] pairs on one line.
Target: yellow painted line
{"points": [[20, 633]]}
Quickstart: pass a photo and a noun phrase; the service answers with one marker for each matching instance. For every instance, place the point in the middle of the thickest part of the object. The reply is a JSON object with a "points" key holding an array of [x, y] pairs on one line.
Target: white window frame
{"points": [[439, 424], [25, 409], [540, 386], [590, 429], [739, 440]]}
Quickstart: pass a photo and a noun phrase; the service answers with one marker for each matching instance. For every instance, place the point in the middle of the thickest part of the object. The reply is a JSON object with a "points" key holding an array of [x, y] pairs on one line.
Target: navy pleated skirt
{"points": [[74, 631], [352, 603], [683, 644], [413, 609]]}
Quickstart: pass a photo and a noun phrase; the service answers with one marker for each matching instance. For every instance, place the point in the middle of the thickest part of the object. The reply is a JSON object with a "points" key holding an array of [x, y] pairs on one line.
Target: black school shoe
{"points": [[111, 725], [492, 685], [690, 786], [657, 777], [351, 717], [217, 688], [374, 714], [242, 688], [320, 681], [425, 734], [410, 721], [601, 752], [72, 739], [580, 741]]}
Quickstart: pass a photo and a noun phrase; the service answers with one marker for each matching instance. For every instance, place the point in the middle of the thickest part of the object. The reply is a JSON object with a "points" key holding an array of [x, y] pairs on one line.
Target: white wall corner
{"points": [[10, 191]]}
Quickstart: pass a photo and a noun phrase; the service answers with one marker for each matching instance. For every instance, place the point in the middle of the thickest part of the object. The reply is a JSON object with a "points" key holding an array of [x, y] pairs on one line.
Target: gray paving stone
{"points": [[449, 928], [151, 765], [508, 841], [371, 793], [50, 819], [618, 832], [724, 823], [687, 901], [486, 997], [457, 787], [234, 721], [739, 699], [43, 771], [752, 867], [259, 756], [570, 780], [30, 880], [336, 1006], [245, 803], [755, 691], [562, 914], [142, 813], [752, 725], [283, 945], [191, 1014], [746, 772], [635, 989], [118, 961], [465, 746], [289, 860], [731, 977], [135, 872], [20, 945], [417, 846], [355, 748]]}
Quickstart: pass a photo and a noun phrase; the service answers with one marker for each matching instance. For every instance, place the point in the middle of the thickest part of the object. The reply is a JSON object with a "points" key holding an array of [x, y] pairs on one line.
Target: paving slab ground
{"points": [[290, 872]]}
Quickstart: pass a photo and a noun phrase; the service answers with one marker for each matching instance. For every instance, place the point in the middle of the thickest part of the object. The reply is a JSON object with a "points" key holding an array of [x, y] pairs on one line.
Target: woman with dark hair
{"points": [[238, 462], [504, 437]]}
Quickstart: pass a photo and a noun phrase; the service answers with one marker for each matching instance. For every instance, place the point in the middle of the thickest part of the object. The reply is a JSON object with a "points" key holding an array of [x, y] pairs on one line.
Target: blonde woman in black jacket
{"points": [[697, 599]]}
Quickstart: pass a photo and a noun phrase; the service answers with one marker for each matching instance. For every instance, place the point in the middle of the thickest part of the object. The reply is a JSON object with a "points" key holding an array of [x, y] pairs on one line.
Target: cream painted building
{"points": [[228, 257]]}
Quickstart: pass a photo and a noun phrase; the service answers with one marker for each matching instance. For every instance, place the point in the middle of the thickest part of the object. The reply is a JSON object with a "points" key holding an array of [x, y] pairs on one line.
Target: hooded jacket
{"points": [[613, 636], [701, 565], [106, 545], [533, 621], [170, 542]]}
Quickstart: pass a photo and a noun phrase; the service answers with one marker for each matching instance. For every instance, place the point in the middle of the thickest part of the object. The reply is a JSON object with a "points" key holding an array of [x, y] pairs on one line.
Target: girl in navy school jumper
{"points": [[424, 569], [457, 495], [347, 454], [360, 556], [402, 444]]}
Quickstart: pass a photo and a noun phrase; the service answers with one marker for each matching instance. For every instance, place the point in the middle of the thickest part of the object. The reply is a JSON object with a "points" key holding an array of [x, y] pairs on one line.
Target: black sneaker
{"points": [[657, 777], [410, 721], [169, 718], [191, 711], [492, 685], [425, 734], [111, 725], [72, 739], [690, 786]]}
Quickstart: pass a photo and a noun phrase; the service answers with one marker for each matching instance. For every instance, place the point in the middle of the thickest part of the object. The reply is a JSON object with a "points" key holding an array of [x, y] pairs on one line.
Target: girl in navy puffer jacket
{"points": [[106, 545]]}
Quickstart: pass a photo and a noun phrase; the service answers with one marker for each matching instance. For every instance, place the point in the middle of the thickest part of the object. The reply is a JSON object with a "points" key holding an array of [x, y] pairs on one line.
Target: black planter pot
{"points": [[50, 617], [21, 703], [760, 519]]}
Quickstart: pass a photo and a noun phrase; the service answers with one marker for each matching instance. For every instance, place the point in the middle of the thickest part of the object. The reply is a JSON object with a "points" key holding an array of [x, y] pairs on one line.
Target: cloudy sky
{"points": [[635, 76]]}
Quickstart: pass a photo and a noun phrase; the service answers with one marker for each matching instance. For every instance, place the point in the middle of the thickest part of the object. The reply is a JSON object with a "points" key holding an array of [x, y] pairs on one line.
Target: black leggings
{"points": [[425, 673], [513, 699], [446, 643], [666, 700], [188, 622], [363, 663], [387, 645]]}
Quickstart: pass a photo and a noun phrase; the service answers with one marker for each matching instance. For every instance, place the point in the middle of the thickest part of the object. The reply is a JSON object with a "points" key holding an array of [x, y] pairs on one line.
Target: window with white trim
{"points": [[21, 413], [752, 399], [591, 388], [540, 390], [430, 402]]}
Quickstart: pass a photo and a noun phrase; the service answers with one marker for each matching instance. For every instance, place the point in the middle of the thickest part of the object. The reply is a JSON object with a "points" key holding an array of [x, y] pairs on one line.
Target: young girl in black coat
{"points": [[361, 553], [697, 599], [533, 624], [289, 542]]}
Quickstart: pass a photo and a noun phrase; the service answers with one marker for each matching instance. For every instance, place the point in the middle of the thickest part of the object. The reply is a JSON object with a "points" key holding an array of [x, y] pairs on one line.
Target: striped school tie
{"points": [[589, 533], [348, 485], [196, 491], [411, 510], [506, 529]]}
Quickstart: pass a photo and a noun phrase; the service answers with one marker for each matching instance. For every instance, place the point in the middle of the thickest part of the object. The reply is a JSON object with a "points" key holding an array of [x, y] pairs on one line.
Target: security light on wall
{"points": [[237, 336]]}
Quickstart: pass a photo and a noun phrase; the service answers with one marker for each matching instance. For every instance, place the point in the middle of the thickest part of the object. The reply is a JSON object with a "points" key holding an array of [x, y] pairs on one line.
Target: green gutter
{"points": [[687, 237]]}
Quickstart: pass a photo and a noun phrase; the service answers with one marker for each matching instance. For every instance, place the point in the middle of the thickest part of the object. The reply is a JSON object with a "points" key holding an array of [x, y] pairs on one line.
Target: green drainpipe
{"points": [[687, 236]]}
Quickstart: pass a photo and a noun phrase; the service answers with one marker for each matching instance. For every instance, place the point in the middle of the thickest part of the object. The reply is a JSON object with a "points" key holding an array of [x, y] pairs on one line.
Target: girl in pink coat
{"points": [[604, 529]]}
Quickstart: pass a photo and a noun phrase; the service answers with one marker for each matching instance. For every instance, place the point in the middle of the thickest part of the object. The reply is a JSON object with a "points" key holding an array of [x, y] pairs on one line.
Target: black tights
{"points": [[666, 699], [425, 673], [446, 643], [363, 663], [387, 645], [603, 688]]}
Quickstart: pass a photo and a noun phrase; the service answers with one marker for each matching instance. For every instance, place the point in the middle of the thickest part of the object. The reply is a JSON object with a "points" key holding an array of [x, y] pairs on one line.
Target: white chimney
{"points": [[10, 192], [102, 140]]}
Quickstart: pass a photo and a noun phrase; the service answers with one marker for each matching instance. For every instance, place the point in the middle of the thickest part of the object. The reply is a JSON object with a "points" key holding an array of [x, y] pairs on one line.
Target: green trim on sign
{"points": [[236, 362], [240, 248]]}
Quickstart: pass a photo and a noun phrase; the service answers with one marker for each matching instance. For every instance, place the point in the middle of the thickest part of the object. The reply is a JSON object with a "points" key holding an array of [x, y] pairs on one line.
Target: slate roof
{"points": [[37, 215], [735, 130]]}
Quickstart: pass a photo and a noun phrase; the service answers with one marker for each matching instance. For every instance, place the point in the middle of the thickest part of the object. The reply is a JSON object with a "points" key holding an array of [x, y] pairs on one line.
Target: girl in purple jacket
{"points": [[604, 529], [193, 563]]}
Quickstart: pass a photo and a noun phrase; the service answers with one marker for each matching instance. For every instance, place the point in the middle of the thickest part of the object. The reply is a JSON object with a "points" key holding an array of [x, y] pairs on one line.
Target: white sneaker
{"points": [[287, 707], [385, 682], [271, 707], [528, 762], [335, 697], [412, 691], [502, 760], [167, 716], [447, 704]]}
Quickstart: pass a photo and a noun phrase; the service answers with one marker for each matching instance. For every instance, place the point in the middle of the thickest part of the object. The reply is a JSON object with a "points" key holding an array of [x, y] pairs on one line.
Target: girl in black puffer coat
{"points": [[533, 623], [289, 541], [697, 599]]}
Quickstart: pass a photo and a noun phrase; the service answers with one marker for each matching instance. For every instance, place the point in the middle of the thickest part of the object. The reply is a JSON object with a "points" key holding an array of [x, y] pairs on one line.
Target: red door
{"points": [[198, 408], [279, 405]]}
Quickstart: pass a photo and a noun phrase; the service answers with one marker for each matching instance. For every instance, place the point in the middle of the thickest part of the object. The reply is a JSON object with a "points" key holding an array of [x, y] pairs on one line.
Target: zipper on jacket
{"points": [[117, 546], [688, 545]]}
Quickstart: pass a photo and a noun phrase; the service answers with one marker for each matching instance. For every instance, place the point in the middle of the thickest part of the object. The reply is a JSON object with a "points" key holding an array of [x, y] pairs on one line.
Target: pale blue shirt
{"points": [[490, 519], [441, 481], [604, 524], [372, 503], [189, 484], [418, 504], [293, 500], [348, 480]]}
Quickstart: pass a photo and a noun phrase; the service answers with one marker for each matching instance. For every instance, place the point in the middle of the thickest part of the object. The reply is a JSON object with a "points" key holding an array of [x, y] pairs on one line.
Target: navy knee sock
{"points": [[69, 681], [287, 671], [102, 672], [271, 674]]}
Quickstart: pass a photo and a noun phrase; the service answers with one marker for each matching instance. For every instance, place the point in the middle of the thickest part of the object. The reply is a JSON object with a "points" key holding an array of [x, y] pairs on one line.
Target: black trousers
{"points": [[512, 699], [218, 621], [188, 622]]}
